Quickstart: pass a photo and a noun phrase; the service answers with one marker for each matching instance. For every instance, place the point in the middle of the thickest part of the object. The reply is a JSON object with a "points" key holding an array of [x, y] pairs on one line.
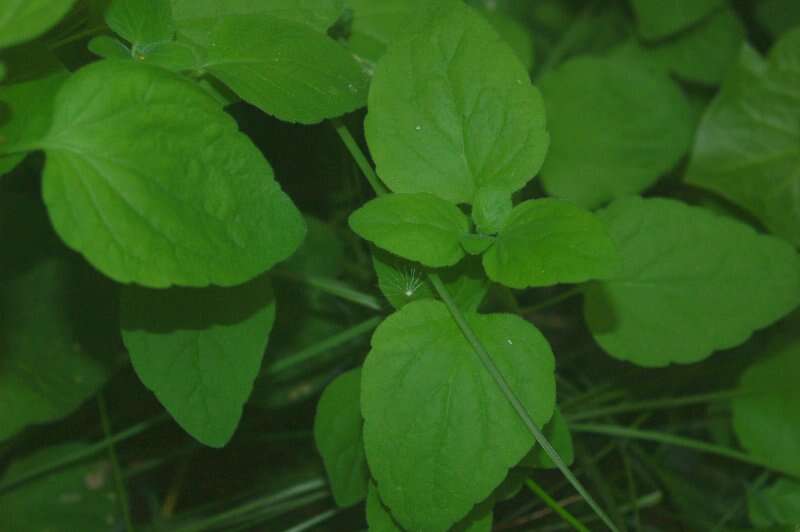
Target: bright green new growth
{"points": [[199, 350], [439, 434], [692, 282], [607, 119], [338, 428], [452, 110], [549, 241], [747, 147], [197, 207], [766, 417], [491, 208], [418, 227]]}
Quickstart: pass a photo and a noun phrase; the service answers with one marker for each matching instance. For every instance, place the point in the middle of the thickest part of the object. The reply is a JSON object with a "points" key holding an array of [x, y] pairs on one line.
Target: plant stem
{"points": [[333, 287], [286, 363], [359, 157], [88, 452], [667, 439], [122, 493], [477, 346], [557, 508], [314, 521], [655, 404]]}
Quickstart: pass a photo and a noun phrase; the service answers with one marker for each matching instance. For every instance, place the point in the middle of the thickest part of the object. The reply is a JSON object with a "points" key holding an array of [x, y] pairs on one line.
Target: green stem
{"points": [[359, 157], [667, 439], [655, 404], [333, 287], [286, 363], [477, 346], [122, 493], [553, 504], [88, 452]]}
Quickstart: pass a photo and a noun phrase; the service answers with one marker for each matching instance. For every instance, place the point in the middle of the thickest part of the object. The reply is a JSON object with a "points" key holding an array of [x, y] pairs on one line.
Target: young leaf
{"points": [[23, 20], [78, 497], [285, 68], [108, 48], [608, 120], [705, 53], [765, 416], [403, 281], [550, 241], [439, 434], [452, 110], [338, 429], [141, 22], [318, 14], [660, 18], [691, 282], [58, 343], [490, 209], [557, 433], [418, 227], [199, 350], [778, 504], [747, 148], [152, 182]]}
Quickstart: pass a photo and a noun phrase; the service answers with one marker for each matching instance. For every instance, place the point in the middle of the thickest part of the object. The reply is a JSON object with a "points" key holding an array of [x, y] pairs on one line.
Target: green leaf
{"points": [[79, 497], [381, 520], [376, 25], [57, 333], [403, 281], [199, 350], [439, 434], [491, 208], [778, 504], [747, 147], [608, 119], [660, 18], [109, 48], [153, 183], [691, 282], [704, 53], [518, 37], [172, 55], [285, 68], [476, 244], [557, 433], [318, 14], [452, 110], [550, 241], [141, 22], [23, 20], [25, 114], [765, 416], [418, 227], [338, 432]]}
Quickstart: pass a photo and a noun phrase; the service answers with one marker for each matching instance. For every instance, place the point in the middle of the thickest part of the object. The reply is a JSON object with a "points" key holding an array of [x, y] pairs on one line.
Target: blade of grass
{"points": [[655, 404], [84, 454], [333, 287], [122, 492], [667, 439], [477, 346], [553, 504]]}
